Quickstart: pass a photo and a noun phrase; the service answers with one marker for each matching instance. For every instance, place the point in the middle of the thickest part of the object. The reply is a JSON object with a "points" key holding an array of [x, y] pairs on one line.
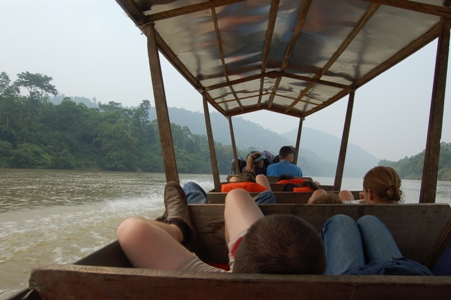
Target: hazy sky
{"points": [[92, 49]]}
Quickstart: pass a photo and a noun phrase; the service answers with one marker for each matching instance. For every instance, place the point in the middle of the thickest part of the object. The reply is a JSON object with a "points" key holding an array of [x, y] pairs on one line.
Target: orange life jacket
{"points": [[248, 186], [294, 181], [304, 189]]}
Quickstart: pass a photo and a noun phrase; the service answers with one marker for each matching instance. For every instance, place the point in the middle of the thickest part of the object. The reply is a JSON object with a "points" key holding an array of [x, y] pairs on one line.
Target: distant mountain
{"points": [[318, 150], [326, 148]]}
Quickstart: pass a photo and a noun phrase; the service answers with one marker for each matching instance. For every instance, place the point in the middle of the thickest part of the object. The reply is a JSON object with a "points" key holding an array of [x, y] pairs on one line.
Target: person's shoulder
{"points": [[272, 166]]}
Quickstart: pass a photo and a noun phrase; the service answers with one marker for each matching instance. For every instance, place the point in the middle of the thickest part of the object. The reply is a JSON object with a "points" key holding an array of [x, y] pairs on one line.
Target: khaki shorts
{"points": [[231, 243], [195, 264]]}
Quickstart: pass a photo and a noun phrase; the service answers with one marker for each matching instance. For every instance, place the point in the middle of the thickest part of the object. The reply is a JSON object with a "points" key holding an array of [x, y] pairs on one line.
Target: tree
{"points": [[38, 86], [30, 156], [8, 96], [117, 148]]}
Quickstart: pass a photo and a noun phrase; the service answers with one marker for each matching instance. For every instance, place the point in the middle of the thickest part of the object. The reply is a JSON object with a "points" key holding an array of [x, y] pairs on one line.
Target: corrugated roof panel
{"points": [[393, 28]]}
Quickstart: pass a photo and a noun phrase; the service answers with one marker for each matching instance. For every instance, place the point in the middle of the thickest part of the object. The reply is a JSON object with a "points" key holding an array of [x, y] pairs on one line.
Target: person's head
{"points": [[311, 184], [286, 153], [381, 185], [281, 244], [245, 176], [325, 198], [253, 160], [285, 177]]}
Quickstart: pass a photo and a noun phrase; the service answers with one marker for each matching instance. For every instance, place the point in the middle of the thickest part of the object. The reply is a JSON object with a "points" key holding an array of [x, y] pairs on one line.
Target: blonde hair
{"points": [[250, 164], [384, 182]]}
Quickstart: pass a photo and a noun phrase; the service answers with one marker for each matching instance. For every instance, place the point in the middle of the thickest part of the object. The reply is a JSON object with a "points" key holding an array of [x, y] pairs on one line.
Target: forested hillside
{"points": [[412, 167], [35, 133], [62, 134]]}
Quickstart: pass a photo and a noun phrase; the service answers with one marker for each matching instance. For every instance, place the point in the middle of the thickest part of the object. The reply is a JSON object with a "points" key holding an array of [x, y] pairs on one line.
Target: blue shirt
{"points": [[283, 167]]}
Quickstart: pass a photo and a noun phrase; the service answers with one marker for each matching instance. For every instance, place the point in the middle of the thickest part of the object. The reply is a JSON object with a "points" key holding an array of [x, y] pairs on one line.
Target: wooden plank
{"points": [[298, 141], [164, 125], [281, 197], [432, 151], [110, 255], [425, 8], [304, 9], [235, 153], [415, 227], [344, 143], [211, 144], [191, 9], [84, 282]]}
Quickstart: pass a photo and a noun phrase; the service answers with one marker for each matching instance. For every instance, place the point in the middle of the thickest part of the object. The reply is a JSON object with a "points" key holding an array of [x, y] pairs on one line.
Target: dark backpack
{"points": [[241, 165]]}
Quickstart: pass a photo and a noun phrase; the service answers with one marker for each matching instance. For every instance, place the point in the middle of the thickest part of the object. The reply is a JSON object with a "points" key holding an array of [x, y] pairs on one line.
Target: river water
{"points": [[60, 216]]}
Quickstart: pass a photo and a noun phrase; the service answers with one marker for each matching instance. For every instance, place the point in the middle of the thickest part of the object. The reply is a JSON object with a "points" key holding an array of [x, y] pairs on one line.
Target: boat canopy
{"points": [[290, 57]]}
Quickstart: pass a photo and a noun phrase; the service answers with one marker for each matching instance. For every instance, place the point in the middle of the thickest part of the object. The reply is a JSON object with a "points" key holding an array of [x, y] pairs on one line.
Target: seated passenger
{"points": [[249, 182], [255, 163], [255, 243], [285, 166], [381, 185], [365, 247]]}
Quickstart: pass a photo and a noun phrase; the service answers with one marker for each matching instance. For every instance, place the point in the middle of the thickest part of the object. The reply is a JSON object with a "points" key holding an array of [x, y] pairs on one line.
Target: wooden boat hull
{"points": [[421, 231]]}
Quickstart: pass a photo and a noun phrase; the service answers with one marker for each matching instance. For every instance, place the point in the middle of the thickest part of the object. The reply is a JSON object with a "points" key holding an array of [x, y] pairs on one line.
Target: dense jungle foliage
{"points": [[35, 133], [412, 167]]}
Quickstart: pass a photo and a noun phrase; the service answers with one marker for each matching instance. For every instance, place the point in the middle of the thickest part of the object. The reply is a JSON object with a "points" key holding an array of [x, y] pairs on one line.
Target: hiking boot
{"points": [[177, 212]]}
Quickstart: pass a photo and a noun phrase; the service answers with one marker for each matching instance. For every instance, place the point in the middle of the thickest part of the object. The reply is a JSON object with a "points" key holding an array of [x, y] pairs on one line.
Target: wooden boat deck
{"points": [[421, 231]]}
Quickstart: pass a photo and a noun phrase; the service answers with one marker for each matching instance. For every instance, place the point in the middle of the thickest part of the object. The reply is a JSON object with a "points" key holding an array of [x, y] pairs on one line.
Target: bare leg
{"points": [[262, 180], [152, 244], [240, 213]]}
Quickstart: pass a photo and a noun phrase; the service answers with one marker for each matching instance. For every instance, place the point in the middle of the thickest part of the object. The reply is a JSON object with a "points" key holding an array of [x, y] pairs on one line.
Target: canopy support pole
{"points": [[298, 140], [232, 137], [211, 145], [344, 143], [164, 125], [432, 152]]}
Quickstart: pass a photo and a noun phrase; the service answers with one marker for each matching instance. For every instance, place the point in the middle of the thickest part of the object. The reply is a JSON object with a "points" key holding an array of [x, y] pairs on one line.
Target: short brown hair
{"points": [[281, 244], [329, 198], [285, 151]]}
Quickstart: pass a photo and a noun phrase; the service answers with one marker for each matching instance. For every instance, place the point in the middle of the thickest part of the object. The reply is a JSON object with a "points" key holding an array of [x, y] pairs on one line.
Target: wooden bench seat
{"points": [[416, 228], [281, 197]]}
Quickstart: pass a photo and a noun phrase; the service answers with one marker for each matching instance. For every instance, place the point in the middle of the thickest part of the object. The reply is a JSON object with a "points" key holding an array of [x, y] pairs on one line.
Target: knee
{"points": [[131, 229], [237, 197], [266, 197], [190, 186], [341, 220], [260, 177], [368, 220], [236, 194]]}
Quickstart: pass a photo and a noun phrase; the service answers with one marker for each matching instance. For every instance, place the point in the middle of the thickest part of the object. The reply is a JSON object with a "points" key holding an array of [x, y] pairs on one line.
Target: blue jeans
{"points": [[350, 244], [196, 195]]}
